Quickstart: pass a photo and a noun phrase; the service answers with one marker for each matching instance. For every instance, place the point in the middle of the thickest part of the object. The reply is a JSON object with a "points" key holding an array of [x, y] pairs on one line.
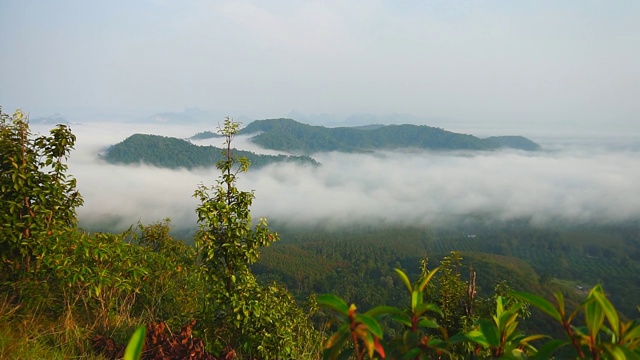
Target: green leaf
{"points": [[428, 323], [546, 351], [617, 352], [437, 343], [333, 302], [459, 337], [508, 317], [608, 308], [426, 279], [403, 319], [381, 311], [530, 338], [594, 317], [424, 307], [478, 337], [632, 333], [371, 324], [136, 343], [404, 279], [490, 332], [540, 303], [412, 354]]}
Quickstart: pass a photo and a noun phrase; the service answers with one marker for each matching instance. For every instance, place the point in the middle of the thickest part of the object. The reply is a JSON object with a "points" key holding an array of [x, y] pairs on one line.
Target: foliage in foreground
{"points": [[603, 334], [109, 284]]}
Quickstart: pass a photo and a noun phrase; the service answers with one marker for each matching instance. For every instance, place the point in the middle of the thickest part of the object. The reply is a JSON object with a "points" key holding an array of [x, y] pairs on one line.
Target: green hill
{"points": [[292, 136], [168, 152]]}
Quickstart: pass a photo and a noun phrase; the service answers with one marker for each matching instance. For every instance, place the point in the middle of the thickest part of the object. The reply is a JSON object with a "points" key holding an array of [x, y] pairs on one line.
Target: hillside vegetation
{"points": [[292, 136], [172, 153], [67, 293]]}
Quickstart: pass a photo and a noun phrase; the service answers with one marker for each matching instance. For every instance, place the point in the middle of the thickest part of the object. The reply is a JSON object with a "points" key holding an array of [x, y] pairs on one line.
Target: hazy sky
{"points": [[525, 64]]}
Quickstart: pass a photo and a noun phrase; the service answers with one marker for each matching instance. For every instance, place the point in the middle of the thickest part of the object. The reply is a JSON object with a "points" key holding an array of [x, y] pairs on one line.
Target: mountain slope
{"points": [[292, 136], [168, 152]]}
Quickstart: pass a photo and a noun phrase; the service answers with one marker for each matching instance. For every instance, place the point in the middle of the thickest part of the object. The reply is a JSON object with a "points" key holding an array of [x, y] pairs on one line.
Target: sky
{"points": [[570, 65]]}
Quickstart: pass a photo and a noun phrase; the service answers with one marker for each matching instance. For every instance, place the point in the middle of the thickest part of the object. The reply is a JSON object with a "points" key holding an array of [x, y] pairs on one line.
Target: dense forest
{"points": [[527, 257], [292, 136], [173, 153], [243, 291]]}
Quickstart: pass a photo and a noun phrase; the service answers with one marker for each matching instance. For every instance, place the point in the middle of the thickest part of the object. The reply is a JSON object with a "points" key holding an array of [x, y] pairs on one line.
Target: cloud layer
{"points": [[543, 63], [573, 183]]}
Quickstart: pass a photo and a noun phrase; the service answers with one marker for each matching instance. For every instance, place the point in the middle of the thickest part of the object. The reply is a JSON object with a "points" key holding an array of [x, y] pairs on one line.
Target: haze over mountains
{"points": [[292, 137], [571, 180]]}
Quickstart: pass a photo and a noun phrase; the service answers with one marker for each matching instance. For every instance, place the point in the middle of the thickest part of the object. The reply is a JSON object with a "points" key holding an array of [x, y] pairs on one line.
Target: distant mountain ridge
{"points": [[290, 136], [295, 137], [173, 153]]}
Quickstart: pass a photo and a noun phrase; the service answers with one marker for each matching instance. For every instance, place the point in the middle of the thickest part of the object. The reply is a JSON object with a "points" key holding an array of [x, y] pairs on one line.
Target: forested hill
{"points": [[292, 136], [168, 152]]}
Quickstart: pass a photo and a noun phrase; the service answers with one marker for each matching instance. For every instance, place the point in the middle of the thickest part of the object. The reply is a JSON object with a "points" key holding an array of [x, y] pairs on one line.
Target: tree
{"points": [[226, 241], [261, 321], [37, 198]]}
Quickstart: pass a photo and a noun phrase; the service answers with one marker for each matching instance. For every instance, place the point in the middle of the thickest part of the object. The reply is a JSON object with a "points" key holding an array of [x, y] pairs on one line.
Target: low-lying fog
{"points": [[573, 180]]}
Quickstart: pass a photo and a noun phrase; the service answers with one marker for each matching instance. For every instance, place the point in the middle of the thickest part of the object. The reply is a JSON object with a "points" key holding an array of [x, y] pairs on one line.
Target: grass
{"points": [[30, 335], [572, 286]]}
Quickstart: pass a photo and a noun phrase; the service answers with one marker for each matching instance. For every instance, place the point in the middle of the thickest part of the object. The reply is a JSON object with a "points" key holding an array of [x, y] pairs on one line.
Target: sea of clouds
{"points": [[573, 180]]}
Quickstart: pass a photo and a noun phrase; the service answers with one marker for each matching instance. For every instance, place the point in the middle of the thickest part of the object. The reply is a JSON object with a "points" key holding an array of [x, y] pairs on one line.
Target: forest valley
{"points": [[473, 291]]}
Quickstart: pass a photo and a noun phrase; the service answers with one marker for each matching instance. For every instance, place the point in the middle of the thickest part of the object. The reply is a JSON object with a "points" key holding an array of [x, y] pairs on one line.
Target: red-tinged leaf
{"points": [[352, 310], [333, 302], [370, 342], [540, 303], [379, 348], [338, 338]]}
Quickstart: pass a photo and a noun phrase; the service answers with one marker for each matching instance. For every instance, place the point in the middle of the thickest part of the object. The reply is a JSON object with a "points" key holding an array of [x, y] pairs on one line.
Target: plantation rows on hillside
{"points": [[526, 257]]}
